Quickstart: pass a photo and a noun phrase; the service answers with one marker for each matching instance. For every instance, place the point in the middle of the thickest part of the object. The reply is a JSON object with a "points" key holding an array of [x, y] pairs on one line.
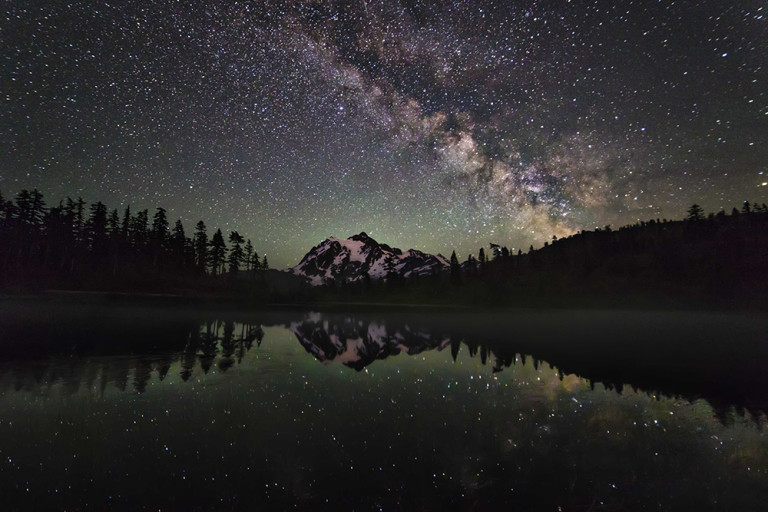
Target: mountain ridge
{"points": [[361, 257]]}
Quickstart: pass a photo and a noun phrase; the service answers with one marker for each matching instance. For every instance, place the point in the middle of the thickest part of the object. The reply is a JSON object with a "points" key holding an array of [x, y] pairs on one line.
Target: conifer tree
{"points": [[37, 208], [126, 225], [79, 219], [159, 232], [139, 229], [178, 242], [236, 252], [218, 252], [248, 254], [96, 230], [455, 267], [200, 242], [113, 223], [695, 212]]}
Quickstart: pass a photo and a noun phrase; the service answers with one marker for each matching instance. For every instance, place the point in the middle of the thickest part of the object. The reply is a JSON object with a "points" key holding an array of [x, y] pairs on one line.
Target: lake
{"points": [[159, 407]]}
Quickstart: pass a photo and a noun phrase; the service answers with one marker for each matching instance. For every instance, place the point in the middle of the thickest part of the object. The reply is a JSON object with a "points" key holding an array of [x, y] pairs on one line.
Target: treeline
{"points": [[721, 257], [75, 244]]}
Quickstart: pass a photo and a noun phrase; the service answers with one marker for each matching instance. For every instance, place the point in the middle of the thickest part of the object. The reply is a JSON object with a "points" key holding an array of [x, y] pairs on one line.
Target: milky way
{"points": [[432, 125]]}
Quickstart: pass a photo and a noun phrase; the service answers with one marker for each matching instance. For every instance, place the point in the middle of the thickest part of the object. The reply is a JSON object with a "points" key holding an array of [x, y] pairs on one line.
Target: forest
{"points": [[73, 245], [704, 259]]}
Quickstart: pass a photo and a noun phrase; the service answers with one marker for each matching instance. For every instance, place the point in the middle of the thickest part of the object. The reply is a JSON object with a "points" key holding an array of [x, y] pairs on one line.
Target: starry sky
{"points": [[433, 125]]}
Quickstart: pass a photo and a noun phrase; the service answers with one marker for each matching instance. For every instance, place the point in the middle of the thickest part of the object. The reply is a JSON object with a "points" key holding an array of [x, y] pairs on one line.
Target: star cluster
{"points": [[433, 125]]}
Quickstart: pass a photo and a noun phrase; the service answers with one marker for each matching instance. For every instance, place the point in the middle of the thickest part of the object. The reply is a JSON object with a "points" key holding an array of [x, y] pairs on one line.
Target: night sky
{"points": [[432, 125]]}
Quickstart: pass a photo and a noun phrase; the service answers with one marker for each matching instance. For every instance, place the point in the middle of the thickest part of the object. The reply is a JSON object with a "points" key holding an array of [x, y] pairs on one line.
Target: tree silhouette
{"points": [[125, 227], [455, 268], [255, 262], [248, 255], [139, 230], [236, 252], [77, 245], [96, 231], [113, 223], [695, 212], [23, 208], [218, 253], [37, 208], [159, 232], [79, 216], [390, 267], [178, 243], [495, 250], [200, 242]]}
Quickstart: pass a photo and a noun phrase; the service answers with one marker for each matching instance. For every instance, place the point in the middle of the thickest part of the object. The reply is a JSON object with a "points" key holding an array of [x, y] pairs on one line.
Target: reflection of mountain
{"points": [[692, 355], [356, 343], [661, 356]]}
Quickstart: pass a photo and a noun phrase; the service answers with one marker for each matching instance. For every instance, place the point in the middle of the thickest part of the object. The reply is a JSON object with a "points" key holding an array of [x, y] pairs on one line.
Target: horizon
{"points": [[461, 257]]}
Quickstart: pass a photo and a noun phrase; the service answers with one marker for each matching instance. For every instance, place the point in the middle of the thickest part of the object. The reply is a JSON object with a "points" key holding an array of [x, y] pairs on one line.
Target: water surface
{"points": [[147, 408]]}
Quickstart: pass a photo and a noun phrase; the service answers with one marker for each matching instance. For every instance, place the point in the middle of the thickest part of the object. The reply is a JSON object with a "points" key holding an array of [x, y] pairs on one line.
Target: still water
{"points": [[162, 408]]}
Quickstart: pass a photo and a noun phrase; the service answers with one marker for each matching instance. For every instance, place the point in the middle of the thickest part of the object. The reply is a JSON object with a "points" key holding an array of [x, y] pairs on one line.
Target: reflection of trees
{"points": [[158, 347], [228, 346], [218, 342], [357, 344], [208, 348], [137, 349]]}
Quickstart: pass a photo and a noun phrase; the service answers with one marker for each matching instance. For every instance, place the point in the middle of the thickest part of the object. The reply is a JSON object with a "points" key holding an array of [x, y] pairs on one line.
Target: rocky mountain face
{"points": [[360, 257]]}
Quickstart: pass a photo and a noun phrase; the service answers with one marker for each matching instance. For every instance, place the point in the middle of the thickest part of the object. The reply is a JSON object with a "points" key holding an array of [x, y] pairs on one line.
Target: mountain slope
{"points": [[353, 259]]}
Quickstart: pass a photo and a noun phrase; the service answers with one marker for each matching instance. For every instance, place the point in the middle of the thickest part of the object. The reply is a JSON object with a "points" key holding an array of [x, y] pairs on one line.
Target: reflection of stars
{"points": [[433, 124]]}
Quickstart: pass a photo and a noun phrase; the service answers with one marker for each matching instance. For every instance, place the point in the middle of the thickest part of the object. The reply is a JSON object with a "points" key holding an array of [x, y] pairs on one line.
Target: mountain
{"points": [[353, 259]]}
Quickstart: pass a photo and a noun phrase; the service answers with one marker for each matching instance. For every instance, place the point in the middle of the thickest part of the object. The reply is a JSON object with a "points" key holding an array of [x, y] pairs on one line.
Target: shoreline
{"points": [[536, 303]]}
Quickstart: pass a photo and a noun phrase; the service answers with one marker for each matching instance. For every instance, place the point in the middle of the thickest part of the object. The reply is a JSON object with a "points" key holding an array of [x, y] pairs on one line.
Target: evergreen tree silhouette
{"points": [[158, 236], [125, 227], [255, 262], [113, 223], [37, 208], [390, 267], [139, 230], [455, 268], [201, 247], [695, 212], [236, 252], [248, 255], [96, 232], [218, 253], [160, 226], [79, 219], [178, 244]]}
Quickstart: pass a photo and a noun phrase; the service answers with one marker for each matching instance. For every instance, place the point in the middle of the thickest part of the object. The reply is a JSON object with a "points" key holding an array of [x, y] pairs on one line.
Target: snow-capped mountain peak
{"points": [[354, 258]]}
